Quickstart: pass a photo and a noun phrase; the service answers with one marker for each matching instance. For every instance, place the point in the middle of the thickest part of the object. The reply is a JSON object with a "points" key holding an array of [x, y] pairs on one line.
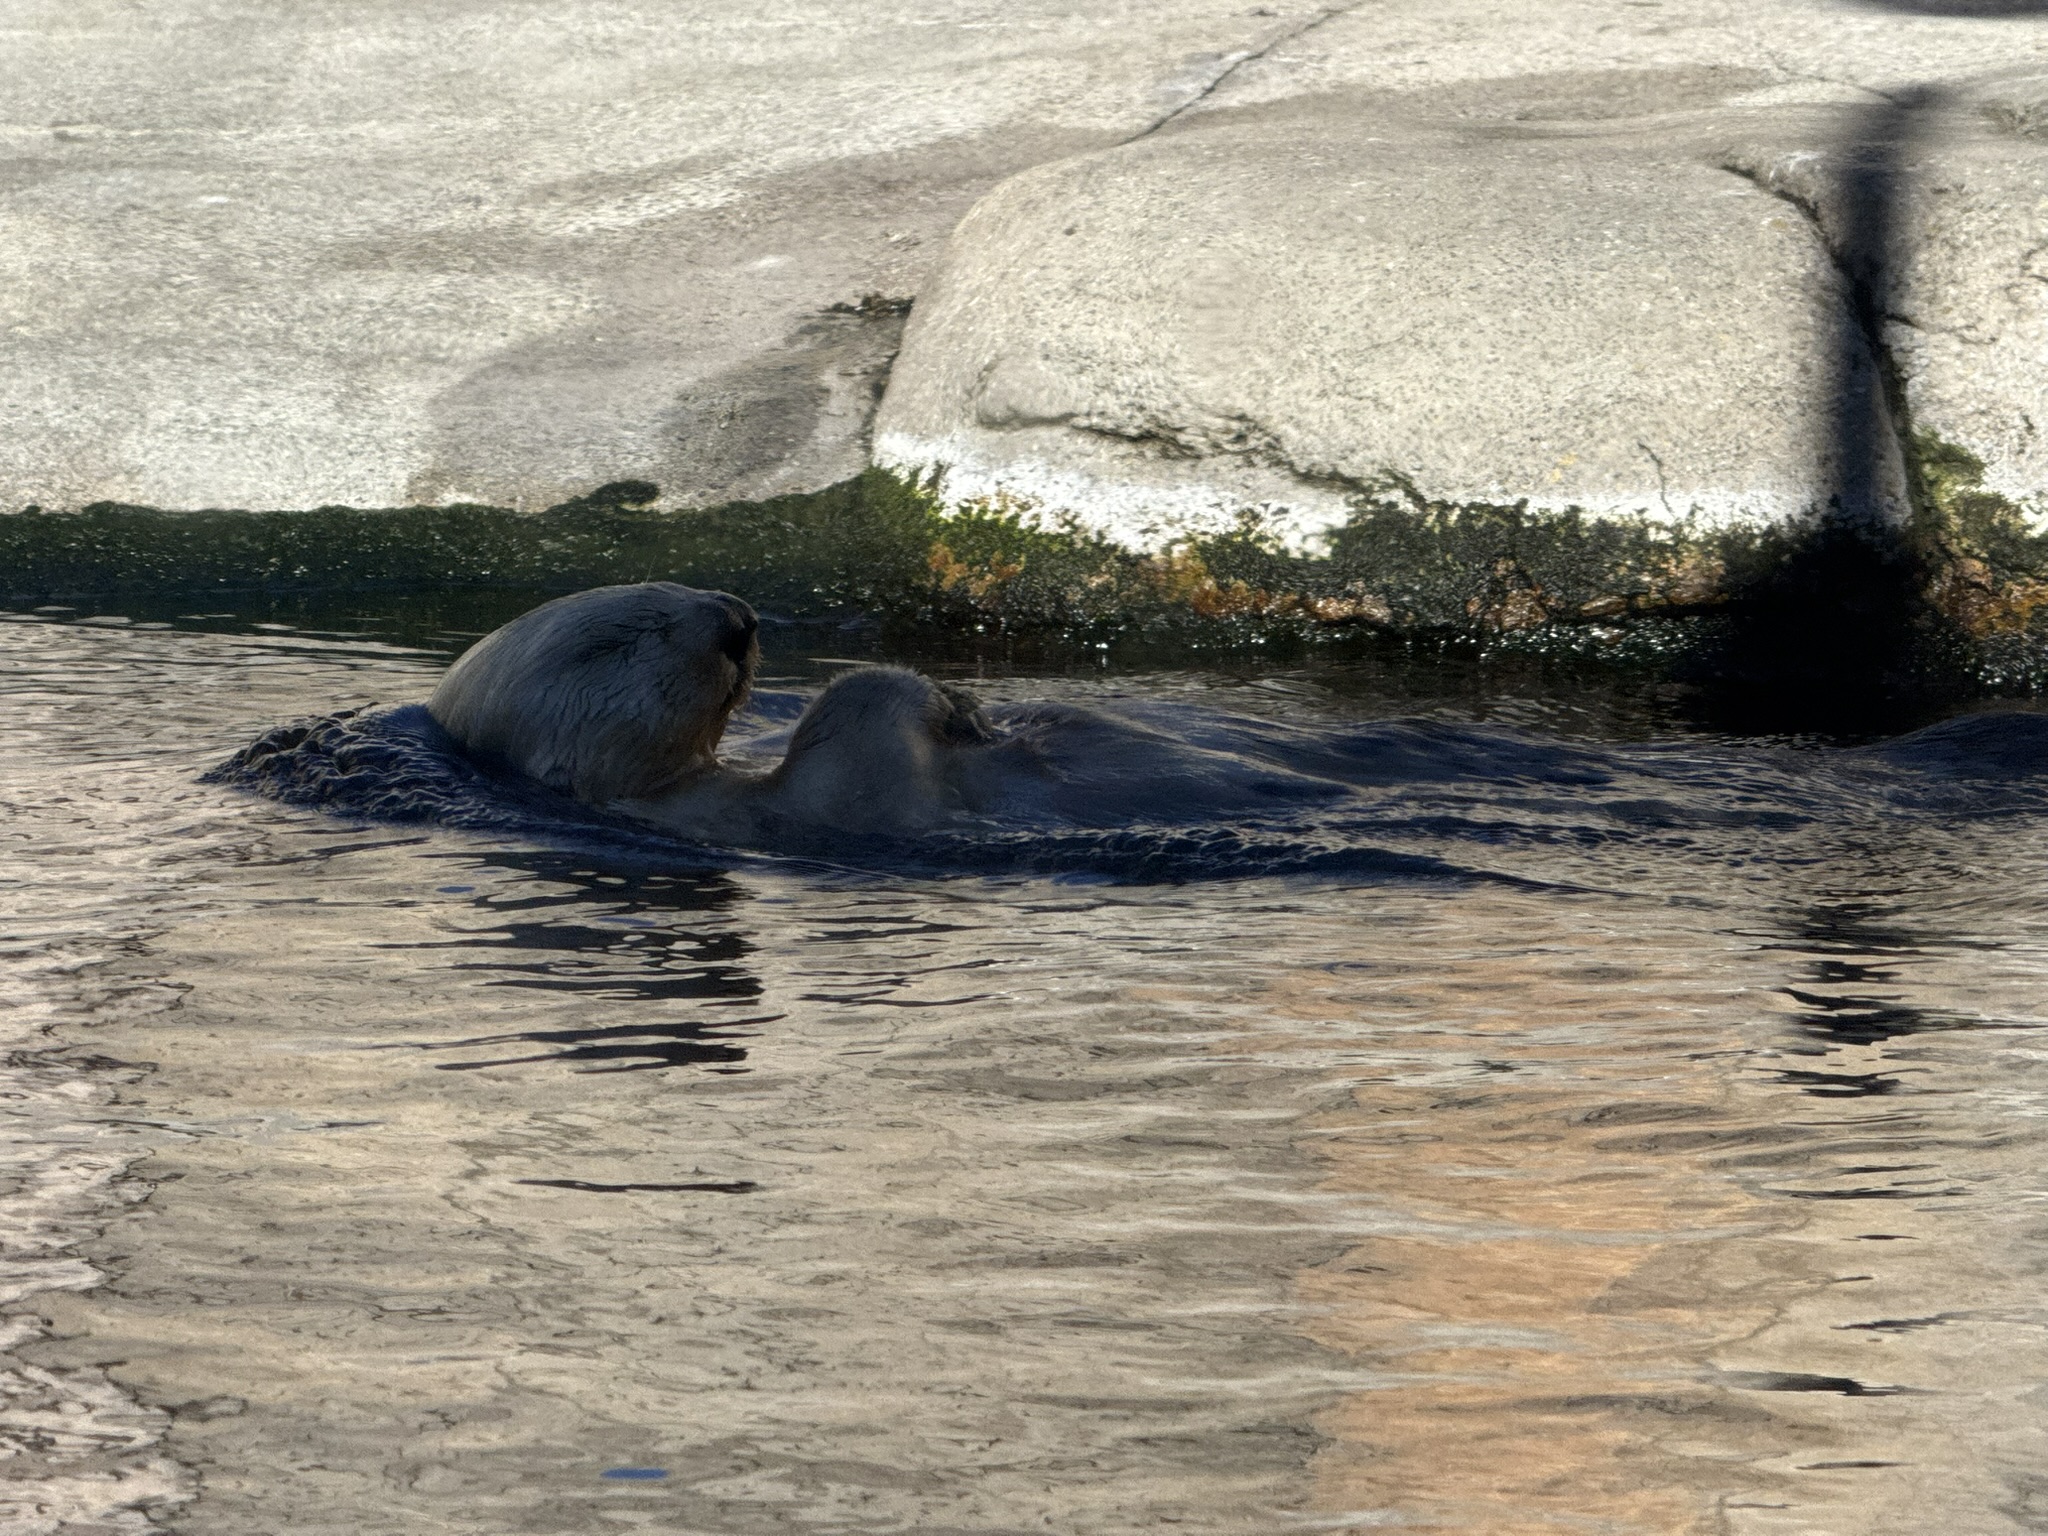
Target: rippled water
{"points": [[1608, 1129]]}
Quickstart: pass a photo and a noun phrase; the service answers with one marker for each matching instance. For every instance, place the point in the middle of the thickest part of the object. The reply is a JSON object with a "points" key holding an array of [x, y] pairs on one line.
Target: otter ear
{"points": [[966, 723]]}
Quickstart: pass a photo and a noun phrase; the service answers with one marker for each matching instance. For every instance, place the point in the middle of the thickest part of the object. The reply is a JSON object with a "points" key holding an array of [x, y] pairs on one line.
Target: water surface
{"points": [[1656, 1153]]}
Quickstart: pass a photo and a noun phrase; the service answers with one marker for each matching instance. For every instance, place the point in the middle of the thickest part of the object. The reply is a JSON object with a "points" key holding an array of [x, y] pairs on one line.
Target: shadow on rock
{"points": [[1831, 625], [1987, 9]]}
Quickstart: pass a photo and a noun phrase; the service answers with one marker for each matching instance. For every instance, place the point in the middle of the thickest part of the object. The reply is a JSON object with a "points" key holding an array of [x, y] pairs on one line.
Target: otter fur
{"points": [[612, 694], [619, 696]]}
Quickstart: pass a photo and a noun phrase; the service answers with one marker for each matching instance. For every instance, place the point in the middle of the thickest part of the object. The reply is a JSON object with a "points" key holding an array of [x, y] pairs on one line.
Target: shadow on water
{"points": [[598, 935], [696, 1186], [1868, 983]]}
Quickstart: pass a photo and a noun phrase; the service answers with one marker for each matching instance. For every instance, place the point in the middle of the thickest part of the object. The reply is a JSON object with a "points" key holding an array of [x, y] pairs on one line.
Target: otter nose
{"points": [[740, 634]]}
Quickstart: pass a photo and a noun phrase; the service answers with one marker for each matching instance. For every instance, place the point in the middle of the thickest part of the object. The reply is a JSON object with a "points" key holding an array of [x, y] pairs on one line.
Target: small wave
{"points": [[1387, 801], [1997, 744], [396, 764], [1144, 856]]}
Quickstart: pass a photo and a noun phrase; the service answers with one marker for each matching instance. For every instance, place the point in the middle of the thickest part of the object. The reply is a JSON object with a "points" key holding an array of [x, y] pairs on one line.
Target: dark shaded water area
{"points": [[1601, 1124]]}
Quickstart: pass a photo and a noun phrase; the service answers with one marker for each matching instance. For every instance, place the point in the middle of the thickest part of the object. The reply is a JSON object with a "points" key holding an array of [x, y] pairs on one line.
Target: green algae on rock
{"points": [[889, 549], [887, 545]]}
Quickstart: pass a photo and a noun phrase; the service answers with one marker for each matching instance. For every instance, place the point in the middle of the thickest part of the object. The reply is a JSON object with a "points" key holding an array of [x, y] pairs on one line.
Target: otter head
{"points": [[875, 751], [615, 693]]}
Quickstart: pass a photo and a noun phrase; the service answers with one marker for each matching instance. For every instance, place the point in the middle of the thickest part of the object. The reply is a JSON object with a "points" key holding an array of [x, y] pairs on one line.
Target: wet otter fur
{"points": [[611, 694], [619, 696]]}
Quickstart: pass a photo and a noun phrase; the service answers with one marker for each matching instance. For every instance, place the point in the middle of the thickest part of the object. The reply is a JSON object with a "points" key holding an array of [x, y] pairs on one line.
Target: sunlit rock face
{"points": [[1720, 316], [288, 256], [1953, 266], [1969, 330], [1967, 321], [285, 256], [1292, 309]]}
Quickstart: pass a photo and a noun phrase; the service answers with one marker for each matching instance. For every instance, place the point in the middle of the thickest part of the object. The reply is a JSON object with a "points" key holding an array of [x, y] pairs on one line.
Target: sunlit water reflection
{"points": [[1689, 1184]]}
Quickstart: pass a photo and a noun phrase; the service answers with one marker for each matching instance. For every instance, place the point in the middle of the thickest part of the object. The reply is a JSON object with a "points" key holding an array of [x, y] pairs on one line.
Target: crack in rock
{"points": [[1868, 430], [1233, 62]]}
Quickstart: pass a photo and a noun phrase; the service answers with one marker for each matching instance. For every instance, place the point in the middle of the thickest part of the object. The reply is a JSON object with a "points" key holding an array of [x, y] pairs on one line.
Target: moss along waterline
{"points": [[886, 550]]}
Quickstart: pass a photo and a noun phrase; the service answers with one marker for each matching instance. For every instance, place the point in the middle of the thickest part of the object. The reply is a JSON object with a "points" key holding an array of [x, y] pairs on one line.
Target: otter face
{"points": [[875, 752], [614, 693]]}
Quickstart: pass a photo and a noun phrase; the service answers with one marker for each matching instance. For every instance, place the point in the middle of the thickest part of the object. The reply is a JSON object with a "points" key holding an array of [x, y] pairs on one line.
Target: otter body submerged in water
{"points": [[619, 696]]}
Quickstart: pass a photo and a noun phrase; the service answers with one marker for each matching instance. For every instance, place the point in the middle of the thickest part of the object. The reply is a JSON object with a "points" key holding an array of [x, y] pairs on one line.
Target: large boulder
{"points": [[1290, 310], [1286, 307], [350, 251]]}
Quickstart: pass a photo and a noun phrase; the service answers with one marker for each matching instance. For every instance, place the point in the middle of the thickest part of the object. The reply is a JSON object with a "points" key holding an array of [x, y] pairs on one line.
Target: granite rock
{"points": [[1689, 314], [1288, 310], [342, 251]]}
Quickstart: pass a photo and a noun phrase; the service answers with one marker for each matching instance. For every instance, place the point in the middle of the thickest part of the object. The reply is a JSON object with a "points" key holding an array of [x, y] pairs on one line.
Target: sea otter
{"points": [[612, 694], [619, 696]]}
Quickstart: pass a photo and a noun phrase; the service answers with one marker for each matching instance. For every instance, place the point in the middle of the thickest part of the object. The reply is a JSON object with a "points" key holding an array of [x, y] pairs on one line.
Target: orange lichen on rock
{"points": [[1181, 576], [1353, 607], [1693, 581], [979, 582], [1970, 593], [1511, 601]]}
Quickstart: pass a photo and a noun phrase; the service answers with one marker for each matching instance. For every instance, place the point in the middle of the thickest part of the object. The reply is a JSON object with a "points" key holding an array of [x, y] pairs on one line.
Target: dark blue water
{"points": [[1402, 798]]}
